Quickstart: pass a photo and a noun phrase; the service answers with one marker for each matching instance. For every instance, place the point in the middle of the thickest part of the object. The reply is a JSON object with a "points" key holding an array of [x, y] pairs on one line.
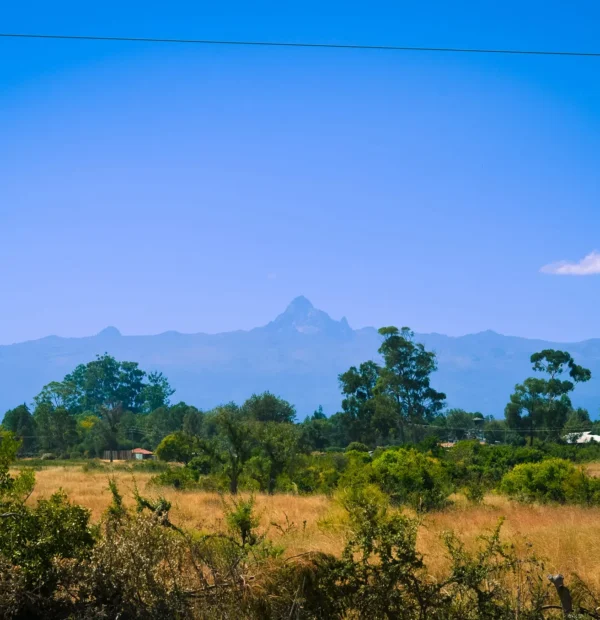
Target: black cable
{"points": [[390, 48]]}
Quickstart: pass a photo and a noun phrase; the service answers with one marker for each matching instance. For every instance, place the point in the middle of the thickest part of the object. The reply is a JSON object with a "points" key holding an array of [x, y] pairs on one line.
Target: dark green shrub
{"points": [[180, 478], [202, 464]]}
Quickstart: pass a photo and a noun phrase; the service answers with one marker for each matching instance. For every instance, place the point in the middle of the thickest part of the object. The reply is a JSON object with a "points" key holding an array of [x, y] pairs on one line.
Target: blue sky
{"points": [[202, 188]]}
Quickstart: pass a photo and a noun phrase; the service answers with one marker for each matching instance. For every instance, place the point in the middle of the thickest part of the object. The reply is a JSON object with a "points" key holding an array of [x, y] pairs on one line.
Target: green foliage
{"points": [[278, 444], [235, 442], [544, 403], [412, 478], [357, 446], [180, 478], [156, 392], [242, 520], [34, 539], [267, 407], [405, 378], [20, 422], [179, 447], [552, 480]]}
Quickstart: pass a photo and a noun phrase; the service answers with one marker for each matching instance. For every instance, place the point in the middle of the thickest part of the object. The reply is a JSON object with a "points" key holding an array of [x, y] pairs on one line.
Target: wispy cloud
{"points": [[588, 266]]}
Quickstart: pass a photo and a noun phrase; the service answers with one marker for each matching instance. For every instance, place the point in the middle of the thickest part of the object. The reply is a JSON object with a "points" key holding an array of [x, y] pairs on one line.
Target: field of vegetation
{"points": [[567, 536], [395, 507]]}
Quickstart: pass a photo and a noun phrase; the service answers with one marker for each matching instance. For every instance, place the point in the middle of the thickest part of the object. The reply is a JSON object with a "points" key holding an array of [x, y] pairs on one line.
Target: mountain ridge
{"points": [[298, 355]]}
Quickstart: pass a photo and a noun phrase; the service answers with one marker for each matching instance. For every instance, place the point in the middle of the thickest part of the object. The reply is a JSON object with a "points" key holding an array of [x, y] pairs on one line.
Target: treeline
{"points": [[108, 405]]}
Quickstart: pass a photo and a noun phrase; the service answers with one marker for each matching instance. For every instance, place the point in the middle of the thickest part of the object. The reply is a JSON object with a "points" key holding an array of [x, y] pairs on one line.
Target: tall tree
{"points": [[359, 405], [56, 428], [236, 441], [20, 422], [316, 432], [577, 422], [540, 404], [405, 378], [279, 443], [103, 383]]}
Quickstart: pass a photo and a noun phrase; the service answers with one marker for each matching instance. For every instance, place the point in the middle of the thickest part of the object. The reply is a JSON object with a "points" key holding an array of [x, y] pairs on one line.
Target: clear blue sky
{"points": [[158, 187]]}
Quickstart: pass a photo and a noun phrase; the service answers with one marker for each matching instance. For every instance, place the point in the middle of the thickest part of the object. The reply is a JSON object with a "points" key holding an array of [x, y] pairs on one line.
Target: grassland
{"points": [[567, 537]]}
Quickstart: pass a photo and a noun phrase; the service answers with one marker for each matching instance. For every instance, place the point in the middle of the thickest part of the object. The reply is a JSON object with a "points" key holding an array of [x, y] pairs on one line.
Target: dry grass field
{"points": [[567, 537]]}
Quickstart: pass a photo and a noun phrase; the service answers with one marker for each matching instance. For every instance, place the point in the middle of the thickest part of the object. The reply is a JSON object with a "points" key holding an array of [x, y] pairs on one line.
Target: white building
{"points": [[584, 437]]}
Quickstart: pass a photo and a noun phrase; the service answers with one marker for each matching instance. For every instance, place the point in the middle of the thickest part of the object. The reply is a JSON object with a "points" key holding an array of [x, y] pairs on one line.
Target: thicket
{"points": [[137, 564]]}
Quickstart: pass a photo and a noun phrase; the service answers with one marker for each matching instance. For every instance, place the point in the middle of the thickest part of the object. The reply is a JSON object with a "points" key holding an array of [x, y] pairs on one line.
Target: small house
{"points": [[141, 454]]}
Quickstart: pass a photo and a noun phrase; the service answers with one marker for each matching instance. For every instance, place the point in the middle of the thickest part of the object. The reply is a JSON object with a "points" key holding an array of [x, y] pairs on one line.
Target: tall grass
{"points": [[568, 537]]}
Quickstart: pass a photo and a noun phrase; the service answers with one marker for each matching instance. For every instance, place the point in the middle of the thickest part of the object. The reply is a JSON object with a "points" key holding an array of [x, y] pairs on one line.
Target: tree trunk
{"points": [[272, 480], [233, 483]]}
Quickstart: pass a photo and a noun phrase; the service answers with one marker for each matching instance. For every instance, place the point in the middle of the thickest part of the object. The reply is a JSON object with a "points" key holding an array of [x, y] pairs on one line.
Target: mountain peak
{"points": [[109, 332], [299, 305], [302, 317]]}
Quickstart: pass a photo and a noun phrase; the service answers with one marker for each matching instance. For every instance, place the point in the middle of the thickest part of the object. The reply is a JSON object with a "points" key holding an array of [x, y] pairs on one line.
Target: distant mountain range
{"points": [[297, 356]]}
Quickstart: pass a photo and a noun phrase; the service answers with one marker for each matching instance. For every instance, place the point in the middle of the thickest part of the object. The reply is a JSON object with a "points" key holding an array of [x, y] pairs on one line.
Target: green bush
{"points": [[357, 446], [202, 464], [552, 480], [412, 478], [181, 478]]}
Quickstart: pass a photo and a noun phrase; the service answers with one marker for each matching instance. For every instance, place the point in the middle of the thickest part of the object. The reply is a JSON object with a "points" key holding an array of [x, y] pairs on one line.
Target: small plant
{"points": [[242, 521], [475, 492], [92, 465]]}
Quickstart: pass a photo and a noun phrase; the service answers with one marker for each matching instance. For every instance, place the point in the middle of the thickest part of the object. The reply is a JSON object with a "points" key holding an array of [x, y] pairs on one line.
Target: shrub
{"points": [[92, 465], [412, 478], [475, 492], [357, 446], [177, 477], [552, 480]]}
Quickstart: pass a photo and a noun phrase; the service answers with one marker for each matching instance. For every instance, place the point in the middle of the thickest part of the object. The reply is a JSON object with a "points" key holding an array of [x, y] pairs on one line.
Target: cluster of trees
{"points": [[107, 405], [95, 407]]}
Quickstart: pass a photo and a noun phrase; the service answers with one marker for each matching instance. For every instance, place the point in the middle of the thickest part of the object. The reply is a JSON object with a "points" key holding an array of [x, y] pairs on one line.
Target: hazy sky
{"points": [[158, 187]]}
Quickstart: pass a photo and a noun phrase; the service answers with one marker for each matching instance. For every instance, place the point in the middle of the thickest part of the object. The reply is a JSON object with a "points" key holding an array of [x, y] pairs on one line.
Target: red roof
{"points": [[140, 451]]}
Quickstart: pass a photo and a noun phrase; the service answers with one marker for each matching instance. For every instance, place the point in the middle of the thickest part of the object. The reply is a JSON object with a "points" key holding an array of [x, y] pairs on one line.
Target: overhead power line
{"points": [[338, 46]]}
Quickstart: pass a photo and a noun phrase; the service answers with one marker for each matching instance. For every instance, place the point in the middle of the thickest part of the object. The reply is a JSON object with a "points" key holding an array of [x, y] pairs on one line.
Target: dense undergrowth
{"points": [[422, 476]]}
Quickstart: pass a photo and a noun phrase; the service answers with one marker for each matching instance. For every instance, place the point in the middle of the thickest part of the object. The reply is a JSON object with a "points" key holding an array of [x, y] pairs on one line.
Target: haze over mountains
{"points": [[297, 356]]}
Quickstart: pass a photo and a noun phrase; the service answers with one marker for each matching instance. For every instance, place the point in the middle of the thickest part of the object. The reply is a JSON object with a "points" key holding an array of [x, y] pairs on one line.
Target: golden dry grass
{"points": [[568, 537], [593, 469]]}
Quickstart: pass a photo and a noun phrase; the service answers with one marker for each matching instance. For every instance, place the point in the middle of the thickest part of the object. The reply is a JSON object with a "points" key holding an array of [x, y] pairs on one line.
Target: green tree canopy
{"points": [[267, 407], [544, 404], [21, 423], [404, 381], [179, 447], [104, 384]]}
